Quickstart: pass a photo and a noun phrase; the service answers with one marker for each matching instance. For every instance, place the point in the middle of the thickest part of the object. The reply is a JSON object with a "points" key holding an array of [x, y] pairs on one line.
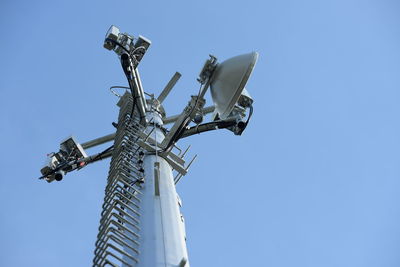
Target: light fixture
{"points": [[228, 82]]}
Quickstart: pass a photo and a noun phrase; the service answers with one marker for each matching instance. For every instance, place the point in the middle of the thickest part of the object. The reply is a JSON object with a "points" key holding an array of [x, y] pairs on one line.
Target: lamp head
{"points": [[228, 82]]}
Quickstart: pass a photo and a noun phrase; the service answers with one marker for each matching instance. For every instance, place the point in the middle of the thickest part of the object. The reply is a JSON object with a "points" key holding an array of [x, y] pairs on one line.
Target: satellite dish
{"points": [[228, 82]]}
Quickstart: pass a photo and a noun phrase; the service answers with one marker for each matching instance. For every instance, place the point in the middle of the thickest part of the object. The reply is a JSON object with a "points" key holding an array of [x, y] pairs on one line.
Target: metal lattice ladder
{"points": [[119, 232]]}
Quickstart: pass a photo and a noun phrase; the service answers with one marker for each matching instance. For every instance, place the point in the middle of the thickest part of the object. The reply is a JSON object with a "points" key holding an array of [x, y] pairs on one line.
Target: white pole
{"points": [[141, 224], [162, 241]]}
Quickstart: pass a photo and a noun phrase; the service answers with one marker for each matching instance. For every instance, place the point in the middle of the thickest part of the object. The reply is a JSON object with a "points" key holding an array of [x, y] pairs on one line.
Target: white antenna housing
{"points": [[229, 80]]}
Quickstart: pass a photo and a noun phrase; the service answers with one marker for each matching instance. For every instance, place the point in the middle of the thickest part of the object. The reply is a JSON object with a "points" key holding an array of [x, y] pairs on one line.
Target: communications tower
{"points": [[141, 223]]}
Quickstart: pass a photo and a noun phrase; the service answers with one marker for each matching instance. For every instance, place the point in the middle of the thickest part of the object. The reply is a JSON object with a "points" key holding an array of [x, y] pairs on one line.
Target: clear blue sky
{"points": [[315, 179]]}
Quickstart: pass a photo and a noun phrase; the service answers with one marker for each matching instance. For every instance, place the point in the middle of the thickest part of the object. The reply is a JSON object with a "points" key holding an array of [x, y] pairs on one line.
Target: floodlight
{"points": [[71, 147], [245, 100], [228, 82], [143, 41], [65, 160], [112, 35]]}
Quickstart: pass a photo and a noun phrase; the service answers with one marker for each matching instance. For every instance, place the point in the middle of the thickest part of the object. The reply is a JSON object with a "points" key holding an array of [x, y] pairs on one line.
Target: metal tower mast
{"points": [[141, 224]]}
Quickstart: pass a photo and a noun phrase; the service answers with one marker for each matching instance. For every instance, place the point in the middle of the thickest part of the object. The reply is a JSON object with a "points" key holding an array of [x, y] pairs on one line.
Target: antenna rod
{"points": [[172, 119], [98, 141], [169, 87]]}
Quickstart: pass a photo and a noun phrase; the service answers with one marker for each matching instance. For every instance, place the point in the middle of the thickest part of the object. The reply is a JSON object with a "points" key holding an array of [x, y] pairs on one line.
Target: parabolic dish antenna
{"points": [[229, 80]]}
